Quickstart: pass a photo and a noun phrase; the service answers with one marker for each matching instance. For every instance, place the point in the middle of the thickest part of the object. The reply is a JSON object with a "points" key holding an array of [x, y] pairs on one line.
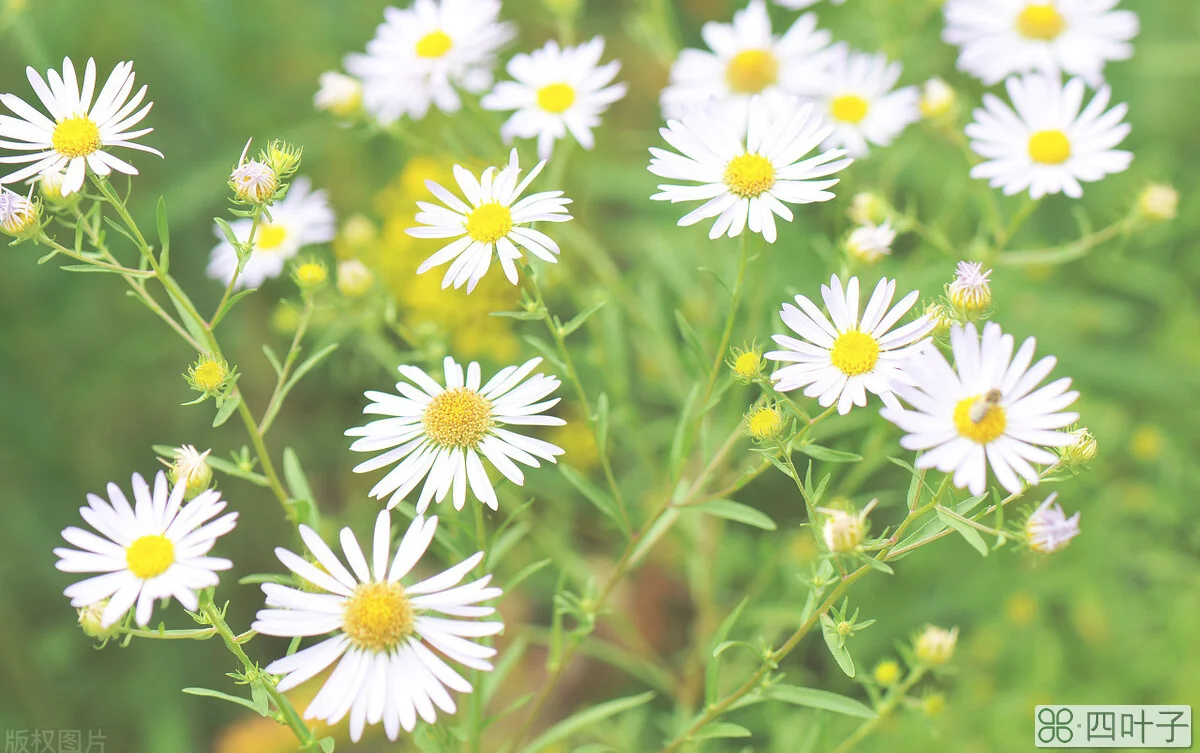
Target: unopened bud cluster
{"points": [[936, 645], [264, 180]]}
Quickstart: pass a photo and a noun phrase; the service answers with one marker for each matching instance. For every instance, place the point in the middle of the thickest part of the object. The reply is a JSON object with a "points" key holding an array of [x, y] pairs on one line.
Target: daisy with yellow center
{"points": [[745, 58], [302, 218], [839, 361], [861, 101], [556, 91], [749, 160], [492, 222], [388, 638], [437, 434], [1047, 142], [76, 136], [421, 56], [156, 549], [998, 38], [986, 410]]}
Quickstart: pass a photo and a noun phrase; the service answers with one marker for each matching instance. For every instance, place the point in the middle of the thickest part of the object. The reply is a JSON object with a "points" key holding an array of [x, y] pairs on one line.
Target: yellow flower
{"points": [[208, 375], [888, 672], [764, 423], [936, 645]]}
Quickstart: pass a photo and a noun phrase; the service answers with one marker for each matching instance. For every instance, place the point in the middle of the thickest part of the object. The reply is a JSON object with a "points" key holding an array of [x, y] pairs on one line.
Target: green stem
{"points": [[276, 401], [244, 254], [894, 698]]}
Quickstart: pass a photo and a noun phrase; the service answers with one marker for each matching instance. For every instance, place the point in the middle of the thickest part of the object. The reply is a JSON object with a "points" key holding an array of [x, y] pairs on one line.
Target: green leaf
{"points": [[274, 359], [259, 697], [580, 318], [602, 421], [525, 573], [880, 565], [326, 744], [829, 455], [227, 231], [209, 693], [230, 303], [308, 365], [227, 408], [547, 352], [820, 699], [719, 643], [679, 440], [164, 236], [718, 730], [592, 493], [221, 465], [691, 338], [967, 532], [735, 511], [524, 316], [836, 644], [106, 270], [586, 719]]}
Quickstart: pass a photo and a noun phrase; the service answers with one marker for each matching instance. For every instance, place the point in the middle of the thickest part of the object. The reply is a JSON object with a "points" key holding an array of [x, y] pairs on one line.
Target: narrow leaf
{"points": [[585, 720], [735, 511], [820, 699]]}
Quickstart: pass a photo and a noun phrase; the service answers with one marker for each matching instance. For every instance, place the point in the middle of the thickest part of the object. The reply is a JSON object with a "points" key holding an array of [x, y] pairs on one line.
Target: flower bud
{"points": [[936, 645], [191, 467], [1083, 450], [310, 276], [868, 208], [19, 217], [354, 279], [938, 100], [746, 363], [941, 316], [764, 423], [339, 94], [284, 158], [50, 187], [887, 672], [209, 375], [90, 621], [844, 531], [933, 704], [254, 182], [971, 291], [1049, 529], [1158, 202], [870, 243]]}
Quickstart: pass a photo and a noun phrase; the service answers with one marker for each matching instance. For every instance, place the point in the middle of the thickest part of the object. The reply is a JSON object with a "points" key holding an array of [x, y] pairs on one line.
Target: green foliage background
{"points": [[88, 381]]}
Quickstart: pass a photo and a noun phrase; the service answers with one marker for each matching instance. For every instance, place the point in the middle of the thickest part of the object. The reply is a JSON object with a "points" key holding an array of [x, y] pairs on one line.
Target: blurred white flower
{"points": [[870, 243], [437, 433], [556, 90], [339, 94], [78, 130], [746, 58], [492, 222], [301, 219], [385, 633], [156, 549], [1048, 527], [970, 290], [858, 97], [840, 362], [1002, 37], [1045, 143], [748, 161], [423, 55], [985, 410]]}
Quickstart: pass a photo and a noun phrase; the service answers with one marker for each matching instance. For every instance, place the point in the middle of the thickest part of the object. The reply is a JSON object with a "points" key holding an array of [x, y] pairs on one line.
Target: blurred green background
{"points": [[88, 381]]}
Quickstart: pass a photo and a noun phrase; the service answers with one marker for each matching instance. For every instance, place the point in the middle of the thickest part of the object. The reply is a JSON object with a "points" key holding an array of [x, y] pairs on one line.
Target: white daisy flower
{"points": [[840, 362], [747, 166], [870, 243], [385, 633], [493, 220], [75, 136], [970, 290], [857, 93], [556, 91], [747, 59], [1076, 37], [1049, 529], [302, 218], [423, 55], [1045, 143], [154, 550], [339, 94], [985, 410], [437, 433]]}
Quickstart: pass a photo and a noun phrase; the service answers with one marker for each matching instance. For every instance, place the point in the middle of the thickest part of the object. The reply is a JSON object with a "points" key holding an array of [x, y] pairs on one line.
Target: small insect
{"points": [[981, 407]]}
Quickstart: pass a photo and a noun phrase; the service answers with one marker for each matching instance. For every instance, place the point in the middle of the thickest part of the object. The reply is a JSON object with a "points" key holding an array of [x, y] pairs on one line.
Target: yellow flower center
{"points": [[1049, 147], [749, 175], [747, 364], [766, 423], [991, 419], [555, 98], [270, 237], [854, 353], [849, 108], [751, 71], [887, 673], [150, 556], [434, 44], [378, 616], [1041, 21], [76, 137], [488, 223], [311, 274], [209, 376], [457, 418]]}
